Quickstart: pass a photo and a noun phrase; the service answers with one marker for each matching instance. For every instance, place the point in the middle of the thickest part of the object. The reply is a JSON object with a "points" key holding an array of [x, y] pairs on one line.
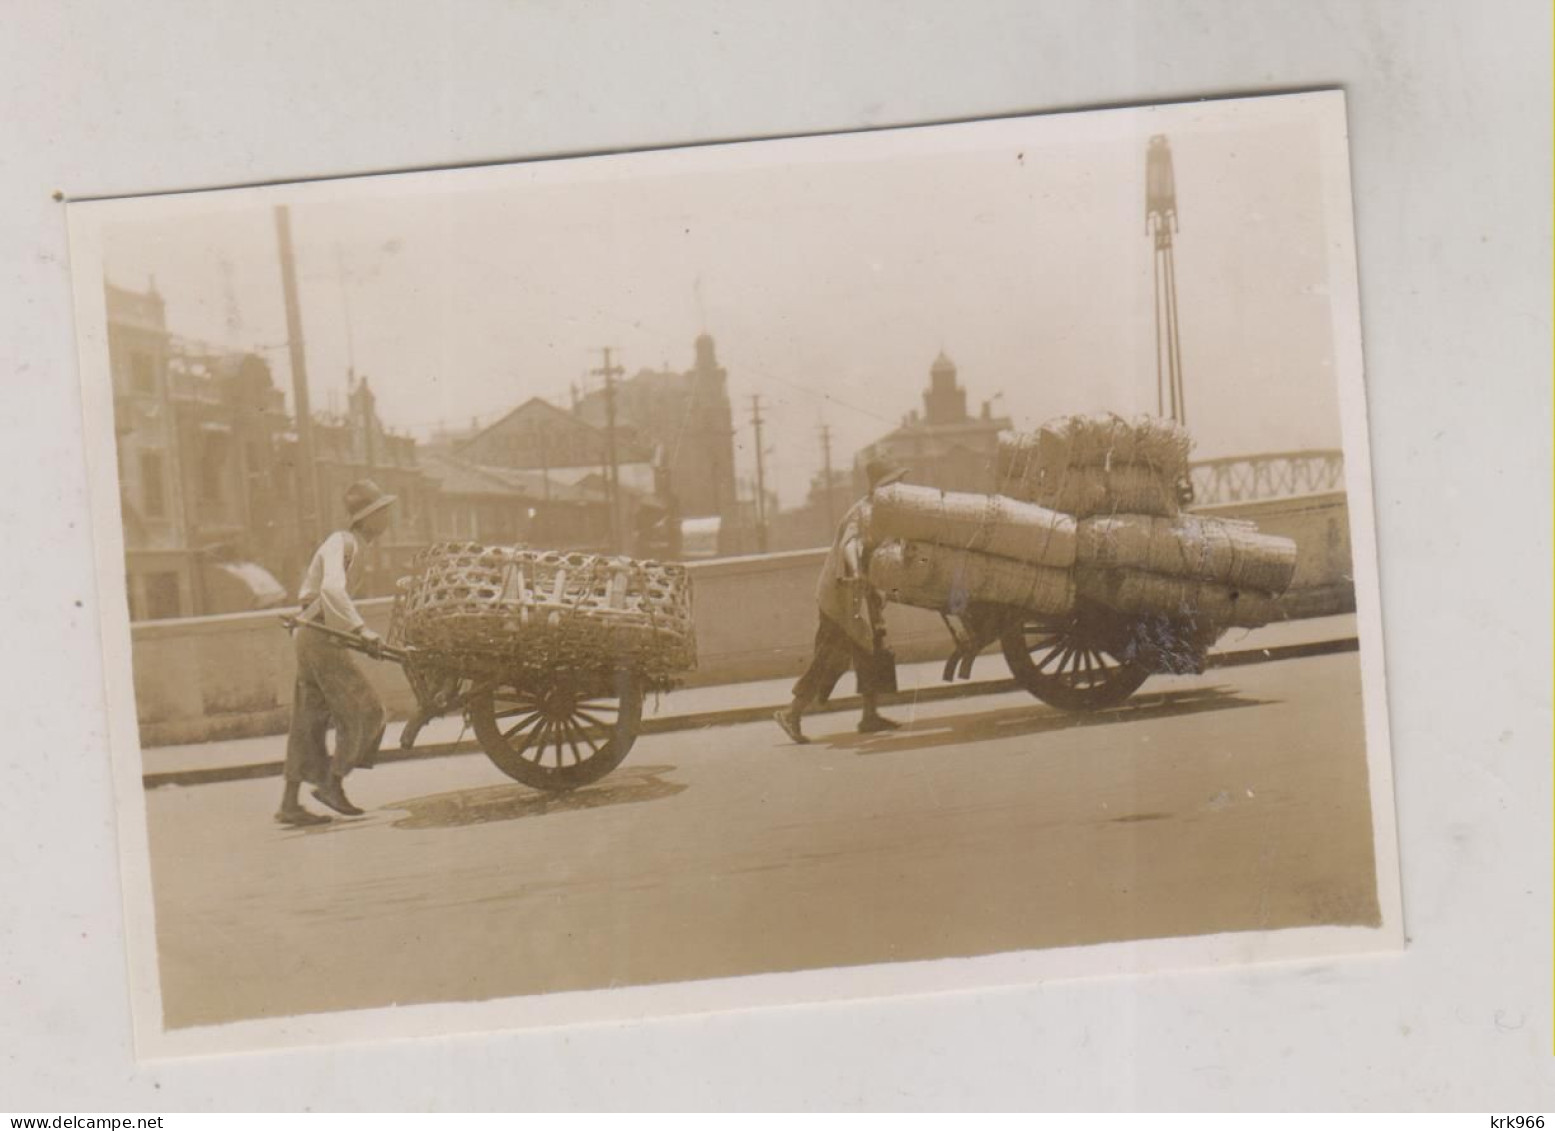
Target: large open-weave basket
{"points": [[474, 608]]}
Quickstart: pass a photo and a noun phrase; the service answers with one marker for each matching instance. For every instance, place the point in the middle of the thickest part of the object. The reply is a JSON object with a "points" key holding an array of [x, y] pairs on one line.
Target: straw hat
{"points": [[882, 473], [364, 497]]}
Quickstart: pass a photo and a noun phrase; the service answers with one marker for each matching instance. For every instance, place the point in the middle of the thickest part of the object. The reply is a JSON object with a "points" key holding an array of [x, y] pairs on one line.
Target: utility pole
{"points": [[369, 422], [831, 515], [307, 469], [613, 475], [345, 303], [543, 440], [761, 477]]}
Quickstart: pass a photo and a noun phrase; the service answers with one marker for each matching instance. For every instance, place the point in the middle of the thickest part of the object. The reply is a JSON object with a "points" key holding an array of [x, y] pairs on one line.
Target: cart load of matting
{"points": [[1091, 516]]}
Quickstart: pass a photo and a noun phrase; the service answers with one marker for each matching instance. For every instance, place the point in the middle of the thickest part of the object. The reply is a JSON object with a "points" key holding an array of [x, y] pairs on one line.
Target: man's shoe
{"points": [[790, 724], [300, 817], [877, 723], [335, 798]]}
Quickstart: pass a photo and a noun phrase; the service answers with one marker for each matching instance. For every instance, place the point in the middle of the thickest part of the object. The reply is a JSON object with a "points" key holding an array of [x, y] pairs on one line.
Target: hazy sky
{"points": [[829, 271]]}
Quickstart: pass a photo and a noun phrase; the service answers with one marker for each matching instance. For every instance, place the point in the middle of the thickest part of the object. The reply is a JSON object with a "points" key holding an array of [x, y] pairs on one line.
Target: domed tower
{"points": [[703, 471], [706, 354], [945, 401]]}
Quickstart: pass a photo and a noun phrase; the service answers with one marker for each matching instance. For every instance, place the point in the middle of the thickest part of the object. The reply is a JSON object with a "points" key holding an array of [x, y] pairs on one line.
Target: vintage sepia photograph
{"points": [[761, 573]]}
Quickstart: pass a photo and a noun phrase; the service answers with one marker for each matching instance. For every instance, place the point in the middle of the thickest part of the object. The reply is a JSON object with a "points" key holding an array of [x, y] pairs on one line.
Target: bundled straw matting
{"points": [[988, 524], [1133, 591], [948, 579], [474, 606], [1088, 465], [1102, 440], [1190, 546], [1086, 491]]}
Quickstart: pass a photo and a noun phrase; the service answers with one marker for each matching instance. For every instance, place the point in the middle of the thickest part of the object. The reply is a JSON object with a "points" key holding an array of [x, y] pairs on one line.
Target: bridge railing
{"points": [[1272, 475]]}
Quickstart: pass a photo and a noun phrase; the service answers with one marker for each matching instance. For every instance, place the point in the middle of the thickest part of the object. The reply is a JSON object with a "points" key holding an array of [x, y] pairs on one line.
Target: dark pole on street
{"points": [[831, 515], [613, 476], [761, 477], [309, 516]]}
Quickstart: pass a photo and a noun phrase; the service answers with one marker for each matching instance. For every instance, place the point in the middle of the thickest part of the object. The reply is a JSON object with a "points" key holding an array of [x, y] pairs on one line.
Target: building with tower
{"points": [[356, 445], [685, 418], [566, 449], [944, 446]]}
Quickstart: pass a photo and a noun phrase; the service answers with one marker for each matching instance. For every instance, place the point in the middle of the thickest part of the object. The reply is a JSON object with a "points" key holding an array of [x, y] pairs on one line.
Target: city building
{"points": [[210, 482], [814, 523], [354, 446], [507, 507], [566, 449], [943, 446], [685, 419], [209, 477], [204, 488]]}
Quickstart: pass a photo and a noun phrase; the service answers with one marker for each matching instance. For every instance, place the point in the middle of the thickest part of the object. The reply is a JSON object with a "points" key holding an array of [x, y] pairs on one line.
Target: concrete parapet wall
{"points": [[207, 678]]}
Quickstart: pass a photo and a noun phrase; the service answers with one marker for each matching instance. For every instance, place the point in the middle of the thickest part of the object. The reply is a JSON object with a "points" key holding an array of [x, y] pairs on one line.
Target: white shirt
{"points": [[331, 575]]}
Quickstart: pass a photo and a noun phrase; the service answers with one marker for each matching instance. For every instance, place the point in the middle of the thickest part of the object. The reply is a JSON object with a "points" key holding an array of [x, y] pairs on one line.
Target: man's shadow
{"points": [[1038, 718], [626, 786]]}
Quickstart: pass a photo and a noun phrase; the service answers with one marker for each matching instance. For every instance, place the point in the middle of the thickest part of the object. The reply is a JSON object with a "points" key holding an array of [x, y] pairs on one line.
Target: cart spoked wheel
{"points": [[559, 737], [1070, 662]]}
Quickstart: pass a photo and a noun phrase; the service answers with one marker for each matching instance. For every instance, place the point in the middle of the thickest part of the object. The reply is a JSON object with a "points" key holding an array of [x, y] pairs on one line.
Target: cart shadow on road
{"points": [[627, 786], [1013, 722]]}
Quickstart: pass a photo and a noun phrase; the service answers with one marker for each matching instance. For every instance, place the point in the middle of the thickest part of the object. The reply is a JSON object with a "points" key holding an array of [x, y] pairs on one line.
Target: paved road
{"points": [[1232, 801]]}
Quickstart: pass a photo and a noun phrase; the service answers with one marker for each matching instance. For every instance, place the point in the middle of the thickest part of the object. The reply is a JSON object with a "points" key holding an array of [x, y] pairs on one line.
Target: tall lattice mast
{"points": [[1160, 225]]}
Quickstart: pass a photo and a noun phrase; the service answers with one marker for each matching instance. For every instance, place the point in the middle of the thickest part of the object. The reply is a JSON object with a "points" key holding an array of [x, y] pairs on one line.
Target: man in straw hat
{"points": [[330, 688], [852, 631]]}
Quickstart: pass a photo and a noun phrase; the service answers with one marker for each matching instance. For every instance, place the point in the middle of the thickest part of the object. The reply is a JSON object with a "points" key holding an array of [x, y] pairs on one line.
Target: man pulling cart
{"points": [[330, 688], [852, 628]]}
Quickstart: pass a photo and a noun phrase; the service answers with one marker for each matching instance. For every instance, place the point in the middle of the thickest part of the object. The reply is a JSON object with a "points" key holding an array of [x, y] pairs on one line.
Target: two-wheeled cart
{"points": [[553, 730], [1087, 659], [547, 656]]}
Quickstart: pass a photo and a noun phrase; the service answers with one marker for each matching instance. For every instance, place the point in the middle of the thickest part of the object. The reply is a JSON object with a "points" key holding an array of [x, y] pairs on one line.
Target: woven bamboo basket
{"points": [[1134, 591], [988, 524], [949, 579], [1190, 546], [476, 607]]}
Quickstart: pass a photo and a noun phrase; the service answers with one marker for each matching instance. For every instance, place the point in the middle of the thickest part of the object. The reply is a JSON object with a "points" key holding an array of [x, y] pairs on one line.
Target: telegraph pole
{"points": [[545, 462], [761, 477], [307, 469], [345, 304], [831, 516], [613, 475]]}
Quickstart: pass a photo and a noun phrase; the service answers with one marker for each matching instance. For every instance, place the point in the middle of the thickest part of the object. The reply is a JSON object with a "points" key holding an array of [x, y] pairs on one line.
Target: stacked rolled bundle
{"points": [[1086, 491], [1189, 546], [476, 606], [1102, 464], [1088, 505], [986, 524], [1135, 591], [948, 579]]}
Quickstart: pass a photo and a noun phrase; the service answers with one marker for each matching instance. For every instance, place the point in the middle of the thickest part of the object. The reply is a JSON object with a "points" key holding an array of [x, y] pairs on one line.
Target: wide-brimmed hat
{"points": [[882, 473], [364, 497]]}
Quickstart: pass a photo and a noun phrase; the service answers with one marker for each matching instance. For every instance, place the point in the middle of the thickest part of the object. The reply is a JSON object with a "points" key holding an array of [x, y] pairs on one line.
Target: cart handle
{"points": [[351, 640]]}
